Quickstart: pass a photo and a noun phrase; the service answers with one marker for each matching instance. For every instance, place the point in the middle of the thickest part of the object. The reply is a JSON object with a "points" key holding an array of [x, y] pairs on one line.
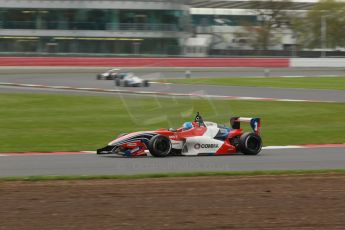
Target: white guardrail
{"points": [[317, 62]]}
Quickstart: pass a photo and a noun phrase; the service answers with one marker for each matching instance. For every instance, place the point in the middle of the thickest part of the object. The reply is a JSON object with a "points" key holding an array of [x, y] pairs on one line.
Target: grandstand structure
{"points": [[136, 27], [93, 26]]}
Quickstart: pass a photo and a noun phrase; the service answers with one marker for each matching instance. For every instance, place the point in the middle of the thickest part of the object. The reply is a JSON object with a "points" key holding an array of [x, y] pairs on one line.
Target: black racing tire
{"points": [[146, 83], [121, 135], [159, 146], [117, 82], [99, 77], [250, 144]]}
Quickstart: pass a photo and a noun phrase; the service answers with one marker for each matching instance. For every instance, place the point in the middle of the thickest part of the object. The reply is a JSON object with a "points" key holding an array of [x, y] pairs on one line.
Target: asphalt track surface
{"points": [[176, 72], [91, 164], [83, 79]]}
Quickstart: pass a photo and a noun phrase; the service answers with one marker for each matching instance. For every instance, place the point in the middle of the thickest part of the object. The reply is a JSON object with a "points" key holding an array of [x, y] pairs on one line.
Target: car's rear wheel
{"points": [[117, 82], [159, 146], [98, 77], [250, 144]]}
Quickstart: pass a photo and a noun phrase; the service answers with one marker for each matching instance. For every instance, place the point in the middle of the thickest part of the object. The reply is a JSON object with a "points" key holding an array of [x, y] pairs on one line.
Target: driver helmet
{"points": [[187, 125]]}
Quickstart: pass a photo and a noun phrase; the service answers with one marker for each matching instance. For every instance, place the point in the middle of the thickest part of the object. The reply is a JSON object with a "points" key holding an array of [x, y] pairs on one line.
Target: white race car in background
{"points": [[108, 75], [130, 80]]}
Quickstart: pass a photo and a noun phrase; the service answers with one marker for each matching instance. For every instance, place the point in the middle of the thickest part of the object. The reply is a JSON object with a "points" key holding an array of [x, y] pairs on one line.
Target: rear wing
{"points": [[255, 123]]}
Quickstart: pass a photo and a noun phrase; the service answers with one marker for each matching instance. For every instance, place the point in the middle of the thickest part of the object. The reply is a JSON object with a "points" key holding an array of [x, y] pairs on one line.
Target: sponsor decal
{"points": [[206, 146]]}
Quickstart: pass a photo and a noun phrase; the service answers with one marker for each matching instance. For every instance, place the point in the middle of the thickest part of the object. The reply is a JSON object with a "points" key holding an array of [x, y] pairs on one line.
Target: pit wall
{"points": [[172, 62]]}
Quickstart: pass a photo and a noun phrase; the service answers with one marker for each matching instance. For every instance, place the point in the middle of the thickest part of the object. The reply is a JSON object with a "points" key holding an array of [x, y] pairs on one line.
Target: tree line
{"points": [[322, 26]]}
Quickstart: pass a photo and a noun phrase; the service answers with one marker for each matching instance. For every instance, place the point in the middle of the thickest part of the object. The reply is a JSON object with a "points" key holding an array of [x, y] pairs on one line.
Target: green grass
{"points": [[39, 122], [164, 175], [337, 83]]}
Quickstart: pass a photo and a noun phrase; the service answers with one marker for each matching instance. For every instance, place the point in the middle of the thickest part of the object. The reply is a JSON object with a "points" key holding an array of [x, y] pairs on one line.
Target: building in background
{"points": [[134, 27], [219, 22], [94, 26], [239, 27]]}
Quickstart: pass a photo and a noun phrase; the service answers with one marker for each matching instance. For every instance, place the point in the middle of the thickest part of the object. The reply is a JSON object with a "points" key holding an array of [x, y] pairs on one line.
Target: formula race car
{"points": [[108, 75], [192, 139], [130, 80]]}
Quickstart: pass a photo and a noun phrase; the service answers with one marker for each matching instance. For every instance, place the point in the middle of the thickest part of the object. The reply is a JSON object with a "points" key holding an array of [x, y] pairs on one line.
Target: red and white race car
{"points": [[192, 139]]}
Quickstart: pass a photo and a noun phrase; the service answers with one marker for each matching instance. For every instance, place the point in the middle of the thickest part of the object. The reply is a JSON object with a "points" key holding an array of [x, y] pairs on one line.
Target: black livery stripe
{"points": [[146, 137]]}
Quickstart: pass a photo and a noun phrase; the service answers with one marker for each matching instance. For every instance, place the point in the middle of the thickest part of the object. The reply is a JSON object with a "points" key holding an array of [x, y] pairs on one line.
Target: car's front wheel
{"points": [[250, 144], [159, 146]]}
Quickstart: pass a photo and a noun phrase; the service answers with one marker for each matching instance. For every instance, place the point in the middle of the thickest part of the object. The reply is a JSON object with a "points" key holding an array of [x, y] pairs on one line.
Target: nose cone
{"points": [[120, 138], [143, 136]]}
